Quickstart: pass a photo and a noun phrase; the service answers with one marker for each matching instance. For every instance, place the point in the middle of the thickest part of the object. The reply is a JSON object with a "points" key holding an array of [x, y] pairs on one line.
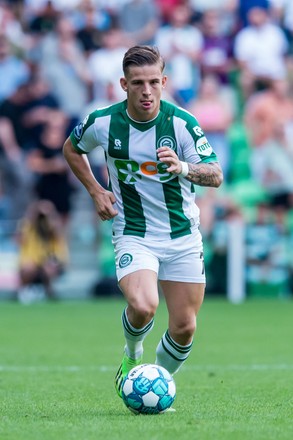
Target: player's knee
{"points": [[183, 331], [143, 311]]}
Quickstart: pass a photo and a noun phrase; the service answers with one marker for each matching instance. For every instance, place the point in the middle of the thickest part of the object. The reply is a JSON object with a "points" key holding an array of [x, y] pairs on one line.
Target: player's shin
{"points": [[134, 337], [171, 355]]}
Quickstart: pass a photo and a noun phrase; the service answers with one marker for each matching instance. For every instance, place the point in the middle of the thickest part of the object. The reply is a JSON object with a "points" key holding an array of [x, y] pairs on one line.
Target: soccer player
{"points": [[156, 152]]}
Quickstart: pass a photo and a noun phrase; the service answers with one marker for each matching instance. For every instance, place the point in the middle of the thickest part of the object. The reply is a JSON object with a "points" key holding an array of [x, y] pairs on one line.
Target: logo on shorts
{"points": [[125, 260]]}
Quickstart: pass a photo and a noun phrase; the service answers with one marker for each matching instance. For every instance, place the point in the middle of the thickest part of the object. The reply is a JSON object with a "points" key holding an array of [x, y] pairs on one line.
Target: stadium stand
{"points": [[57, 44]]}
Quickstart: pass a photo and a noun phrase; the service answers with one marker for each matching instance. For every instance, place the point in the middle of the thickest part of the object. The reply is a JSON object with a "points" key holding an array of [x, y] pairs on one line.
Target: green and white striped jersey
{"points": [[151, 202]]}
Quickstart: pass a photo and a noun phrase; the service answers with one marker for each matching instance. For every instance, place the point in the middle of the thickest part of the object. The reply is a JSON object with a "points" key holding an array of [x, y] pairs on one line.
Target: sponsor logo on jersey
{"points": [[198, 131], [167, 141], [125, 260], [117, 144], [203, 147], [78, 130], [130, 171], [85, 120]]}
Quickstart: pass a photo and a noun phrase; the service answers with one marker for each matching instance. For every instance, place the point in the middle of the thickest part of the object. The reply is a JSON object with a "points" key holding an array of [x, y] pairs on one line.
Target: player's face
{"points": [[143, 85]]}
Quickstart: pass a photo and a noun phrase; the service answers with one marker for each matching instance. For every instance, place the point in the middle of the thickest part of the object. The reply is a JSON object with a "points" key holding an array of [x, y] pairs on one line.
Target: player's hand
{"points": [[104, 202], [170, 158]]}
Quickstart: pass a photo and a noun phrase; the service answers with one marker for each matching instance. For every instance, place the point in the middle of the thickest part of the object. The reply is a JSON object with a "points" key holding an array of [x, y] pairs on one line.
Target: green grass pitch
{"points": [[58, 361]]}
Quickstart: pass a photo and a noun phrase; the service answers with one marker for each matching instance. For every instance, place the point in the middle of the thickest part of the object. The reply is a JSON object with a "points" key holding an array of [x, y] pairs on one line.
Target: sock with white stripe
{"points": [[171, 355], [134, 336]]}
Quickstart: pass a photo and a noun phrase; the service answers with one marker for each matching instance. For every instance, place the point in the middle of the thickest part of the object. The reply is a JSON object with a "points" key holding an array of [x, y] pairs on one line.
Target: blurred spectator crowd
{"points": [[229, 62]]}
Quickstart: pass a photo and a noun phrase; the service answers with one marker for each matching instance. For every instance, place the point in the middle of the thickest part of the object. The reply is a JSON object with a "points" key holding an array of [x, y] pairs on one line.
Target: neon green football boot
{"points": [[126, 365]]}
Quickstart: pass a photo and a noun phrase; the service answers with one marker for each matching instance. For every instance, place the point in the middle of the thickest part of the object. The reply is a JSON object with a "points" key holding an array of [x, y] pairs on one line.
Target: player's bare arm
{"points": [[205, 174], [202, 174], [80, 166]]}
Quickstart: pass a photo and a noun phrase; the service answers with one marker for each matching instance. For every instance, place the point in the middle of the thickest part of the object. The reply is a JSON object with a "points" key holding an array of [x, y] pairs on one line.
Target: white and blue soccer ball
{"points": [[148, 389]]}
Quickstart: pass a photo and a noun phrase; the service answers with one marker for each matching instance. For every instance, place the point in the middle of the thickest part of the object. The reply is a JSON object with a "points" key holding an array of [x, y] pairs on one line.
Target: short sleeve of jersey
{"points": [[83, 136], [195, 146], [198, 148]]}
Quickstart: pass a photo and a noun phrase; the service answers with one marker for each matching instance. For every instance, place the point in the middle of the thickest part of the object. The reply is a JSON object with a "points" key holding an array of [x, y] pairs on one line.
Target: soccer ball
{"points": [[148, 389]]}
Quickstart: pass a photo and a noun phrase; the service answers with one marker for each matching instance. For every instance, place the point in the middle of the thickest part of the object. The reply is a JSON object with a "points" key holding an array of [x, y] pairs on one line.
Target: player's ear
{"points": [[164, 81], [123, 84]]}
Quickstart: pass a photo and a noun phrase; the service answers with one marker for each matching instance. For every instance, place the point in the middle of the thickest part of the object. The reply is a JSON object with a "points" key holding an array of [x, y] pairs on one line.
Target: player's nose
{"points": [[147, 89]]}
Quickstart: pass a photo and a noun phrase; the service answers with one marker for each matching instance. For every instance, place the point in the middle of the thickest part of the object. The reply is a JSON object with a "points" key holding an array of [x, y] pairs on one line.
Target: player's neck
{"points": [[142, 122]]}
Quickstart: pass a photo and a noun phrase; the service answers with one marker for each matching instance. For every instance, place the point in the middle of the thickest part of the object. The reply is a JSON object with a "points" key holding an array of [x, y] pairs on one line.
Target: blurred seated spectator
{"points": [[180, 43], [34, 6], [265, 109], [266, 251], [14, 139], [283, 14], [11, 26], [165, 8], [272, 168], [5, 210], [287, 22], [53, 179], [138, 21], [43, 19], [217, 54], [23, 114], [215, 114], [43, 251], [111, 6], [64, 65], [243, 7], [13, 70], [260, 50], [204, 5], [42, 102], [91, 21], [110, 57]]}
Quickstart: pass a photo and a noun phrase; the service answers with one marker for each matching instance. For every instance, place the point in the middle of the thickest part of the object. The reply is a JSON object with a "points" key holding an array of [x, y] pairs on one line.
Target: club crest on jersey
{"points": [[167, 141], [125, 260], [203, 147]]}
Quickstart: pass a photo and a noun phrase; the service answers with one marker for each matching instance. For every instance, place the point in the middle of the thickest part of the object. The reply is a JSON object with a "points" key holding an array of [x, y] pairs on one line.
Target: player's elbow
{"points": [[67, 148], [219, 180], [218, 177]]}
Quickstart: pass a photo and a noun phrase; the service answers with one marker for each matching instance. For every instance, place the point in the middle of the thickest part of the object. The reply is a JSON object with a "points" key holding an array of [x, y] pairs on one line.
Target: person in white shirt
{"points": [[180, 43], [260, 49]]}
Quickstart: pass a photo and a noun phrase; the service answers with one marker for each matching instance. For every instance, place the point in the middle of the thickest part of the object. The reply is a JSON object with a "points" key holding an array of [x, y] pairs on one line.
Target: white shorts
{"points": [[180, 259]]}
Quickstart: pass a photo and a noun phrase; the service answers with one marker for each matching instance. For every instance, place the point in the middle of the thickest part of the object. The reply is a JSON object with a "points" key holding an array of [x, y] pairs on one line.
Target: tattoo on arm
{"points": [[205, 174]]}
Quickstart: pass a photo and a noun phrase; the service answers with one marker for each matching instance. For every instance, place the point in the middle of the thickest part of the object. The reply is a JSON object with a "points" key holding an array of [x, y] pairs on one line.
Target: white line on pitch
{"points": [[108, 368]]}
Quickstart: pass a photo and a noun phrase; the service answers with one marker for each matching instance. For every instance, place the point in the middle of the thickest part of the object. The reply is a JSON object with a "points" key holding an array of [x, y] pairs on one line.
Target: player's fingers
{"points": [[163, 154], [108, 213], [112, 198]]}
